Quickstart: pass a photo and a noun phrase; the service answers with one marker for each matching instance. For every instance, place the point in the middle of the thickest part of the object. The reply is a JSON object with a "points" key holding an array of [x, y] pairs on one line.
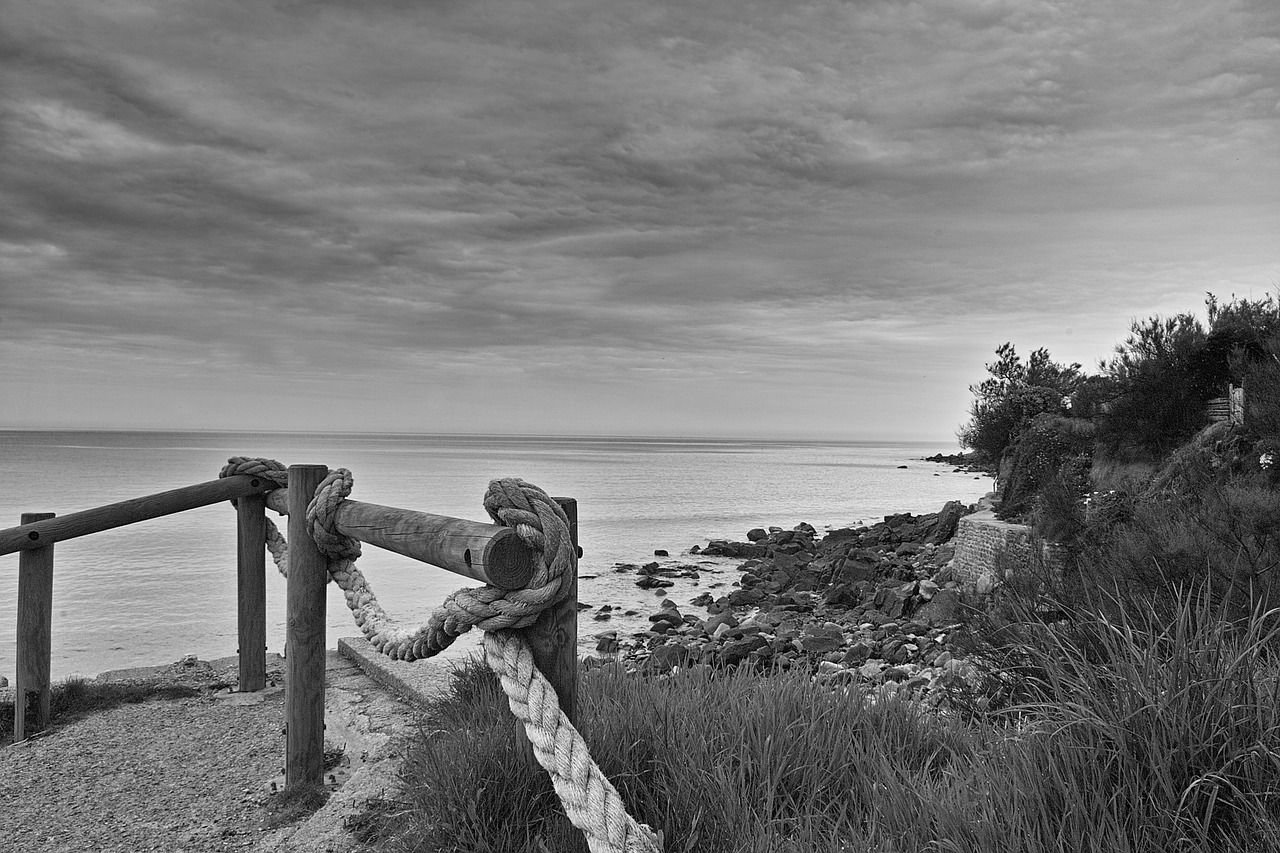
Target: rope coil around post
{"points": [[590, 800]]}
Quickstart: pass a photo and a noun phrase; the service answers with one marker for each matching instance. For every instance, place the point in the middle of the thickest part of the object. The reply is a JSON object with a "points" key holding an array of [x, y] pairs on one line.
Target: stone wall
{"points": [[981, 539]]}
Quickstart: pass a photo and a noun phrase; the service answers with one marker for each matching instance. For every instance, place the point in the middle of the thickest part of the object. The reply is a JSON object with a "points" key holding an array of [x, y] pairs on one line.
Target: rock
{"points": [[820, 639], [927, 590], [668, 657], [859, 652], [667, 616], [660, 553], [696, 549], [714, 622], [871, 670], [607, 642], [744, 550], [703, 600], [860, 566], [735, 651], [650, 582], [945, 526], [755, 534], [745, 597], [943, 609]]}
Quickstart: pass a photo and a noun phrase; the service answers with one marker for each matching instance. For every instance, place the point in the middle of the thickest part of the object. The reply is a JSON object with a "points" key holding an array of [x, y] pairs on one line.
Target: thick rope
{"points": [[590, 800], [267, 469]]}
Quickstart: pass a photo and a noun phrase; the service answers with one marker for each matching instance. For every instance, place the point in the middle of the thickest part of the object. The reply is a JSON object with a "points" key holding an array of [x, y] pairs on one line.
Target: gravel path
{"points": [[187, 774], [173, 775]]}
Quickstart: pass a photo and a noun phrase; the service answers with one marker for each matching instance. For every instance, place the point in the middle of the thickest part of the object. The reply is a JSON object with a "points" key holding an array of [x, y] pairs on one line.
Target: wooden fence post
{"points": [[251, 591], [35, 632], [554, 637], [304, 637]]}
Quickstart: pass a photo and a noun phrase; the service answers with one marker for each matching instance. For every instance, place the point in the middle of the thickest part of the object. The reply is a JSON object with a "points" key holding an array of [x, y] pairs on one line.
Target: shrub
{"points": [[1261, 381], [1158, 389], [1048, 443], [1213, 530], [1014, 393]]}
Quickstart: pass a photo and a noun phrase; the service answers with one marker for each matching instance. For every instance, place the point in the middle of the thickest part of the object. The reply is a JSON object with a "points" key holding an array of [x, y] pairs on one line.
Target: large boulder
{"points": [[944, 608], [736, 651], [944, 527], [820, 639]]}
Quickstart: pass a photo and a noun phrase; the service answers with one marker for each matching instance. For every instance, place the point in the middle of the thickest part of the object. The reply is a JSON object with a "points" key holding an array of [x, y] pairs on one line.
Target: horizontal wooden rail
{"points": [[108, 517], [488, 553]]}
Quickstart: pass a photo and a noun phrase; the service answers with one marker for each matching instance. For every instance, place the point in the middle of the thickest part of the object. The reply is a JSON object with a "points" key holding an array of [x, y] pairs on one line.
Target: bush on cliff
{"points": [[1160, 378], [1013, 394], [1045, 446], [1159, 388], [1261, 381]]}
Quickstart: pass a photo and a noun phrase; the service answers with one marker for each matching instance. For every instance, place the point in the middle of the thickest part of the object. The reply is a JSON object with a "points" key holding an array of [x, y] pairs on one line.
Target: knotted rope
{"points": [[590, 800]]}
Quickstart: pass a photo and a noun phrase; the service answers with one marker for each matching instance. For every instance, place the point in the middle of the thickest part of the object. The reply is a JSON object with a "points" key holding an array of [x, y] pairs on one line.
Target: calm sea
{"points": [[155, 591]]}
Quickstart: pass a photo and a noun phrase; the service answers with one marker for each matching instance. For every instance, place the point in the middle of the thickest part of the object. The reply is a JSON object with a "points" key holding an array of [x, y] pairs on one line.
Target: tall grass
{"points": [[1129, 737]]}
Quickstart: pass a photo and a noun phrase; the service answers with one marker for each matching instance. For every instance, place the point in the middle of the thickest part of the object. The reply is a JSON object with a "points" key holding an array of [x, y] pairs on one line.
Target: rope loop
{"points": [[322, 515], [266, 469]]}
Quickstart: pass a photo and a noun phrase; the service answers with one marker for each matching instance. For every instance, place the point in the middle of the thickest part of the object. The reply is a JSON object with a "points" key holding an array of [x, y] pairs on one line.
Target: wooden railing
{"points": [[485, 552]]}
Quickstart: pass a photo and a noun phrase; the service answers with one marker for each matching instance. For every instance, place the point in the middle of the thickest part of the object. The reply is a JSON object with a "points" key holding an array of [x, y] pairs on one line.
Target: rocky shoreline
{"points": [[872, 605]]}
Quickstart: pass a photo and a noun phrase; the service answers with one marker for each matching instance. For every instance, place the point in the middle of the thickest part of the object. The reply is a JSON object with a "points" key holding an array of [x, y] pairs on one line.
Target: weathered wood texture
{"points": [[304, 637], [101, 518], [251, 591], [554, 637], [488, 553], [485, 552], [35, 631]]}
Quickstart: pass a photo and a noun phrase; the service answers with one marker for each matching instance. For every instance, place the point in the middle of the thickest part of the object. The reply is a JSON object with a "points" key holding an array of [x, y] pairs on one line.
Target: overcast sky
{"points": [[707, 217]]}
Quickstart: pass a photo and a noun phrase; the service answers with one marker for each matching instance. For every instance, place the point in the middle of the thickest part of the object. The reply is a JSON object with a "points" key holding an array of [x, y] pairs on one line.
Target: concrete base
{"points": [[372, 705]]}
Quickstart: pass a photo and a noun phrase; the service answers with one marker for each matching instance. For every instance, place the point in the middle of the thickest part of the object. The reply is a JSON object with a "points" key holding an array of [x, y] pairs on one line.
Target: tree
{"points": [[1012, 395], [1160, 385], [1167, 369]]}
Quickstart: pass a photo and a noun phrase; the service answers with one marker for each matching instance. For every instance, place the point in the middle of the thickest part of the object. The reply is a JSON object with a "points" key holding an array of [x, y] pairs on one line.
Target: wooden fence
{"points": [[485, 552], [1230, 408]]}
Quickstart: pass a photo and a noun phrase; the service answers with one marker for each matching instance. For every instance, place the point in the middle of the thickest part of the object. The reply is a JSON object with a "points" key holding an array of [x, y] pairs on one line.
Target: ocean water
{"points": [[155, 591]]}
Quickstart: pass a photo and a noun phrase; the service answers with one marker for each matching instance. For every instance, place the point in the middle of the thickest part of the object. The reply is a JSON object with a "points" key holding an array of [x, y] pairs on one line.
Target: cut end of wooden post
{"points": [[508, 561]]}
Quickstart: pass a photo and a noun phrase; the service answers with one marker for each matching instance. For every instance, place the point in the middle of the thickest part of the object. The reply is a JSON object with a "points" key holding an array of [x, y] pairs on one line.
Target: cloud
{"points": [[717, 195]]}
